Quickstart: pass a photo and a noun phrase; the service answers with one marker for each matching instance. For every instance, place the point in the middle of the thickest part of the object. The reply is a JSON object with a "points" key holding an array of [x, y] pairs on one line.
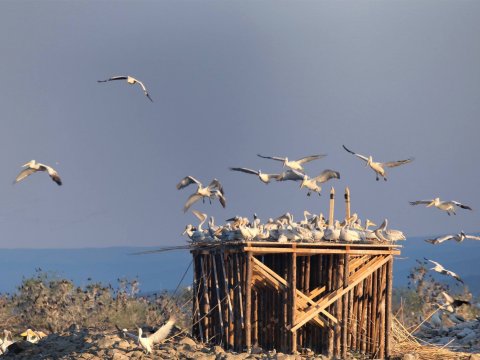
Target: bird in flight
{"points": [[32, 166], [440, 269], [213, 190], [265, 178], [131, 80], [311, 184], [294, 164], [457, 237], [448, 206], [379, 167], [451, 304]]}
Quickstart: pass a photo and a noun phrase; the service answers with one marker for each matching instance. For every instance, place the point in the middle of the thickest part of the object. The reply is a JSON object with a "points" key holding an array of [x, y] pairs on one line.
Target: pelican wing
{"points": [[440, 239], [191, 200], [144, 89], [461, 205], [397, 163], [187, 180], [472, 237], [24, 173], [310, 158], [290, 174], [327, 175], [454, 275], [435, 263], [53, 174], [200, 216], [448, 299], [245, 170], [163, 332], [364, 158], [221, 198], [114, 78], [420, 202], [272, 157], [215, 184]]}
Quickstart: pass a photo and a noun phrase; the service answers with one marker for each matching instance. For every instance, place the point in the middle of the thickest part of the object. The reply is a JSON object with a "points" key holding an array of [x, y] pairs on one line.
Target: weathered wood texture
{"points": [[329, 298]]}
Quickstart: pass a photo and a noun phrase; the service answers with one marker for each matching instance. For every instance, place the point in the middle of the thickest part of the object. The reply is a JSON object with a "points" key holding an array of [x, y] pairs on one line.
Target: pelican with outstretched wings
{"points": [[457, 237], [440, 269], [132, 81], [378, 167], [157, 337], [32, 167], [213, 190], [294, 164], [265, 178], [448, 206]]}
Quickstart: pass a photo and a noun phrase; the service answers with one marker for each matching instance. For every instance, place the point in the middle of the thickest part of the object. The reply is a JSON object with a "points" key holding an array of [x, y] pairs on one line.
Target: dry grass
{"points": [[403, 342]]}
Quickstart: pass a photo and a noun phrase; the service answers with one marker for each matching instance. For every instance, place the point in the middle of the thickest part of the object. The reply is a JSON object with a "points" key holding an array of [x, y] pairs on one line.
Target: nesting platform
{"points": [[328, 297]]}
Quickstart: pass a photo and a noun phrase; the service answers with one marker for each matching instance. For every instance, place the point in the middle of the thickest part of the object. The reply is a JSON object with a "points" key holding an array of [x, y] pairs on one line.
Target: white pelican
{"points": [[312, 184], [265, 178], [213, 190], [294, 164], [290, 174], [32, 166], [130, 80], [379, 167], [348, 234], [332, 233], [385, 234], [440, 269], [148, 341], [457, 237], [448, 206], [451, 304], [6, 342]]}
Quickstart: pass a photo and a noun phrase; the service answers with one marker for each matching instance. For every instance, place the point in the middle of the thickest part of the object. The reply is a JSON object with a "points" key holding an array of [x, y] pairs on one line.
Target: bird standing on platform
{"points": [[379, 167], [131, 80], [32, 166], [448, 206], [385, 234], [213, 190], [294, 164]]}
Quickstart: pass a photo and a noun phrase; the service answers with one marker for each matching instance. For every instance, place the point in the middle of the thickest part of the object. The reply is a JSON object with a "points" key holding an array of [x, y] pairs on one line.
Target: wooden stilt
{"points": [[293, 299], [345, 306], [388, 307], [248, 302]]}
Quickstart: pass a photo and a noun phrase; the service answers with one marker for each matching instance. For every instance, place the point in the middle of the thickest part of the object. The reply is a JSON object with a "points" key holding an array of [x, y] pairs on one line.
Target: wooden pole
{"points": [[388, 307], [293, 300], [331, 213], [347, 203], [206, 300], [248, 302], [381, 321], [340, 267], [330, 287], [345, 307]]}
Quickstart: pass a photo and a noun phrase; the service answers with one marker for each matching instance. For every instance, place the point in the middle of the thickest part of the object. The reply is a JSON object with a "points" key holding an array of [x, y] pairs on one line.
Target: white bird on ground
{"points": [[6, 342], [440, 269], [213, 190], [457, 237], [448, 206], [451, 304], [265, 178], [294, 164], [385, 234], [32, 166], [131, 80], [147, 342], [379, 167]]}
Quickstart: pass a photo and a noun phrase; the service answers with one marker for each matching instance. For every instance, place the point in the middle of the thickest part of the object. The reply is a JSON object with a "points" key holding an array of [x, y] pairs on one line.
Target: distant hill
{"points": [[163, 271]]}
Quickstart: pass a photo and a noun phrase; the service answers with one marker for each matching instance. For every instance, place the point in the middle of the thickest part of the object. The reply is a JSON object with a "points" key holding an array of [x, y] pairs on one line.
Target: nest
{"points": [[403, 342]]}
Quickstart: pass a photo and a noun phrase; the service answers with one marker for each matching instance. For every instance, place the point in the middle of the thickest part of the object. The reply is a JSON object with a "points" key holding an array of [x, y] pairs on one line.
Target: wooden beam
{"points": [[306, 252], [388, 308], [248, 302], [292, 288], [329, 299]]}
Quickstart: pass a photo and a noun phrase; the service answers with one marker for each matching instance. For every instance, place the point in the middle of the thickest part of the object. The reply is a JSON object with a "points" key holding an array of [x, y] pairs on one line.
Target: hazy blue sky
{"points": [[231, 79]]}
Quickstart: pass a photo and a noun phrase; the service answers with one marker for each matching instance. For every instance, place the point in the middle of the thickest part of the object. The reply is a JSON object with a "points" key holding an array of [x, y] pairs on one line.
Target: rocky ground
{"points": [[464, 336], [101, 345]]}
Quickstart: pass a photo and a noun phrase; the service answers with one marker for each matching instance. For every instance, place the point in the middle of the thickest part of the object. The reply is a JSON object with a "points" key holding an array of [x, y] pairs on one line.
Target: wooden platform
{"points": [[328, 297]]}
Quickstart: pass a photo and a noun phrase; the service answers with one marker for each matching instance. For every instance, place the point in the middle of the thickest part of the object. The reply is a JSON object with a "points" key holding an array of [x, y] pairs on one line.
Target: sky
{"points": [[229, 80]]}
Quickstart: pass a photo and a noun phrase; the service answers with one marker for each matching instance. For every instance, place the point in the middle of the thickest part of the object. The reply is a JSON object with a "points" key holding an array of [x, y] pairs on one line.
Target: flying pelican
{"points": [[130, 80], [448, 206], [451, 304], [440, 269], [457, 237], [385, 234], [294, 164], [213, 190], [265, 178], [312, 184], [379, 167], [148, 341], [32, 166]]}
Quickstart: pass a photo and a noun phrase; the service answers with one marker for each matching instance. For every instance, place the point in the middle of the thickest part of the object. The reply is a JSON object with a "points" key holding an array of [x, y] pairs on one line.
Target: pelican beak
{"points": [[431, 204], [25, 333]]}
